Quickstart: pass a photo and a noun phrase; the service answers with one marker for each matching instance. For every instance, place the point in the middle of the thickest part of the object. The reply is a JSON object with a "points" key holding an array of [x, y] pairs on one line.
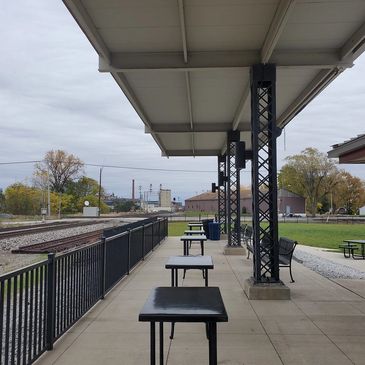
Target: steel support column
{"points": [[233, 192], [222, 194], [264, 183]]}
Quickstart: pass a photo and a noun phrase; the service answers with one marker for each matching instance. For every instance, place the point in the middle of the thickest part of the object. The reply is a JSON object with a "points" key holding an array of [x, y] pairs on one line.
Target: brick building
{"points": [[288, 202]]}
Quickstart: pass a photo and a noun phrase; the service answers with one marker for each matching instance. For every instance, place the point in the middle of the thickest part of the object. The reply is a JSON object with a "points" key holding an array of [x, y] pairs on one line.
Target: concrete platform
{"points": [[322, 323], [235, 250]]}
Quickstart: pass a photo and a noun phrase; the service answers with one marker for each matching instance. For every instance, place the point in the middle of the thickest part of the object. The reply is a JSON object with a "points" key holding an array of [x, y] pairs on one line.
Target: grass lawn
{"points": [[309, 234]]}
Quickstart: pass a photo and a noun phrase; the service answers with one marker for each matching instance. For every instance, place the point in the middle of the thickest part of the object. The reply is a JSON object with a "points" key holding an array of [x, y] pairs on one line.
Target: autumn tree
{"points": [[22, 199], [61, 168], [310, 174], [2, 201], [349, 192]]}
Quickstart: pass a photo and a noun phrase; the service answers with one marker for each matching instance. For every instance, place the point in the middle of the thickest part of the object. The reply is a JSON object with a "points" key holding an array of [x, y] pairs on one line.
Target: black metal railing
{"points": [[39, 303]]}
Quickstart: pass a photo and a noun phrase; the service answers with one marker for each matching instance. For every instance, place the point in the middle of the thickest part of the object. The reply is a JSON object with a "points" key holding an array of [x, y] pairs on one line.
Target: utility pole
{"points": [[48, 195], [100, 171]]}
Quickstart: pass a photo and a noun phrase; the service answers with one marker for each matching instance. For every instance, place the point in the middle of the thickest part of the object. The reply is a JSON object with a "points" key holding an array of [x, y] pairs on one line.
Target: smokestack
{"points": [[133, 189]]}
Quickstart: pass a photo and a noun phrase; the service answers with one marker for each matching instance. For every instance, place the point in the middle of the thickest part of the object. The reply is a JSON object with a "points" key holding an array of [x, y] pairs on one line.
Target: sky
{"points": [[53, 97]]}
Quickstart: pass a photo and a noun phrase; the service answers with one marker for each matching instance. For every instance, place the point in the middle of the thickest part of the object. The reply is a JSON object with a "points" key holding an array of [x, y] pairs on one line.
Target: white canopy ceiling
{"points": [[184, 64]]}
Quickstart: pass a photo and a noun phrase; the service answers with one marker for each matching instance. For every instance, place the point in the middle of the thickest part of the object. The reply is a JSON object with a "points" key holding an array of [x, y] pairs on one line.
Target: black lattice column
{"points": [[233, 192], [264, 185], [222, 194]]}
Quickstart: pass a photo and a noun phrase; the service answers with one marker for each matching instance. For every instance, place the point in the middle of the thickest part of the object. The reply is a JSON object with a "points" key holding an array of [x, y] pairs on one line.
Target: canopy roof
{"points": [[351, 152], [184, 64]]}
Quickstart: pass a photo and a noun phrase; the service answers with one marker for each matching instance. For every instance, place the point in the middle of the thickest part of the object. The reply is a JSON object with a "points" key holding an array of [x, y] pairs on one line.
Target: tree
{"points": [[61, 167], [311, 174], [83, 186], [124, 206], [84, 189], [2, 201], [22, 199], [349, 192]]}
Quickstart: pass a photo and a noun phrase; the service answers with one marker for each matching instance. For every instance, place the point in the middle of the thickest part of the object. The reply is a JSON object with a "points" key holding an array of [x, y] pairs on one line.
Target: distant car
{"points": [[294, 215]]}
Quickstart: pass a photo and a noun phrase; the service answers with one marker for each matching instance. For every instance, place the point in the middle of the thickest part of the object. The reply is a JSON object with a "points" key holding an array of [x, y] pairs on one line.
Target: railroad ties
{"points": [[44, 227], [61, 244]]}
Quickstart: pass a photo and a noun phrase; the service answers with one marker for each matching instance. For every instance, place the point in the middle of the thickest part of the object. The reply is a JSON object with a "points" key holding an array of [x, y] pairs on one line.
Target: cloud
{"points": [[52, 96]]}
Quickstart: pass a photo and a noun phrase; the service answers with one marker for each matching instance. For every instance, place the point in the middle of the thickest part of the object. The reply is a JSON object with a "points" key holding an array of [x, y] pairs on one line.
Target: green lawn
{"points": [[177, 228], [310, 234]]}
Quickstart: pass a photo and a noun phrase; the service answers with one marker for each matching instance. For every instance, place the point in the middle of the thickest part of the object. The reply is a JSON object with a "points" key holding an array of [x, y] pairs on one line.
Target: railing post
{"points": [[103, 266], [143, 241], [129, 250], [152, 235], [51, 304], [159, 232]]}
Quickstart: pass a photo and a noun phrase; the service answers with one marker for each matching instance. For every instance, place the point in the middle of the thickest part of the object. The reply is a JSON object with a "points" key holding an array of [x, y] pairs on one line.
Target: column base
{"points": [[234, 250], [266, 291]]}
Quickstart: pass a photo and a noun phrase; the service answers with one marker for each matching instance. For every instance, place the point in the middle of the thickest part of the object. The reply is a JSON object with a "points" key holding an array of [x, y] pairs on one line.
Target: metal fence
{"points": [[39, 303]]}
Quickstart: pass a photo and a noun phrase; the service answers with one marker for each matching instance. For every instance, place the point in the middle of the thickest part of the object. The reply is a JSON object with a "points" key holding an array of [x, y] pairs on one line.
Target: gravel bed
{"points": [[327, 268], [10, 261]]}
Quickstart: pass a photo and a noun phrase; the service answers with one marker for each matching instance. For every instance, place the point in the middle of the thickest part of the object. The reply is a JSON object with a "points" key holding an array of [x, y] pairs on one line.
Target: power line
{"points": [[120, 167], [148, 168], [117, 167], [18, 162]]}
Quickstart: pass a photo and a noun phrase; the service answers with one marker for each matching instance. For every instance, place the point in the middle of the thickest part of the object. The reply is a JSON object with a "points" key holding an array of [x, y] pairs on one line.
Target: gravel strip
{"points": [[10, 261], [8, 244], [327, 268]]}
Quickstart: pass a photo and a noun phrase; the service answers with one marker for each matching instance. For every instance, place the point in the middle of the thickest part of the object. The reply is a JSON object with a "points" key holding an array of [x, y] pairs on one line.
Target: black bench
{"points": [[247, 238], [286, 250]]}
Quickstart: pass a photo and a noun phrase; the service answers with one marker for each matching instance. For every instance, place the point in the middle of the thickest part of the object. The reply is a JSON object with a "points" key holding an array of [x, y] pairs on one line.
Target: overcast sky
{"points": [[53, 97]]}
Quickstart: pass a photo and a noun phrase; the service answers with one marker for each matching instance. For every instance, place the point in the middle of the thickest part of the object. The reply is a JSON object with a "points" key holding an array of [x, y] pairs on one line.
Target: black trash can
{"points": [[206, 226], [214, 231]]}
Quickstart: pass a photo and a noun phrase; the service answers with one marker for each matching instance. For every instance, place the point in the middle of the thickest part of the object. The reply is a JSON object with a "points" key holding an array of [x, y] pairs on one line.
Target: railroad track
{"points": [[37, 228], [61, 244]]}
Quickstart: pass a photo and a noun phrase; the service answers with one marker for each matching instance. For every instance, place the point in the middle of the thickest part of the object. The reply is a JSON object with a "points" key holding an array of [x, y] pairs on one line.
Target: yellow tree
{"points": [[349, 192], [61, 168], [310, 174]]}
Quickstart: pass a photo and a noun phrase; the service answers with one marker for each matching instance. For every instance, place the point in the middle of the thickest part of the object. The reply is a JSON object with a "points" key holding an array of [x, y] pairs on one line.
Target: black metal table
{"points": [[194, 231], [187, 239], [195, 225], [189, 262], [362, 244], [184, 304]]}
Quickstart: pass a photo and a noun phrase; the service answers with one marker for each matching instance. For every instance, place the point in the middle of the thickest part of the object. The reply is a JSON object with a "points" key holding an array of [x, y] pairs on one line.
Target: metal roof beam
{"points": [[276, 28], [84, 21], [188, 153], [241, 106], [190, 109], [124, 85], [172, 61], [183, 29], [354, 46], [198, 127], [320, 82]]}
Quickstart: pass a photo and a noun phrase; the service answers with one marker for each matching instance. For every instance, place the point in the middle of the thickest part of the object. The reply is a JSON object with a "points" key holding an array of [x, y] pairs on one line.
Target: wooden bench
{"points": [[286, 250]]}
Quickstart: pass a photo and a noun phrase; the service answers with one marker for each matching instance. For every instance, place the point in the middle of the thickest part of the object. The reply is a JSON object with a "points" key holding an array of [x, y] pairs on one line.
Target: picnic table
{"points": [[195, 225], [194, 231], [188, 239], [183, 304], [203, 263], [357, 242]]}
